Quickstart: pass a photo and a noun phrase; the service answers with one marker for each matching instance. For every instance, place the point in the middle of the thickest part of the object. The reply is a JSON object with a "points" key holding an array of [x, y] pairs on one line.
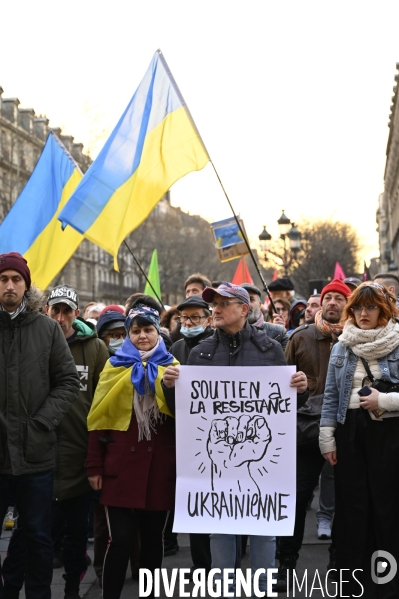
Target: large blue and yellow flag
{"points": [[32, 227], [154, 144]]}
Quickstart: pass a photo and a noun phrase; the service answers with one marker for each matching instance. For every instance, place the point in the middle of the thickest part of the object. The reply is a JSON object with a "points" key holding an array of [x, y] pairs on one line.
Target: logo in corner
{"points": [[383, 567]]}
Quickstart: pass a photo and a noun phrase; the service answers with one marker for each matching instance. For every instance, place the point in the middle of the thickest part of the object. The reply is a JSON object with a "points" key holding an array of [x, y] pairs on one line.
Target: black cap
{"points": [[251, 288], [194, 301], [64, 294], [283, 284]]}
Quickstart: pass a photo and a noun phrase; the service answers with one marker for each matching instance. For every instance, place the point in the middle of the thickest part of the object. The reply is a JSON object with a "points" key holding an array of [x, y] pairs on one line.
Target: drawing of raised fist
{"points": [[233, 444]]}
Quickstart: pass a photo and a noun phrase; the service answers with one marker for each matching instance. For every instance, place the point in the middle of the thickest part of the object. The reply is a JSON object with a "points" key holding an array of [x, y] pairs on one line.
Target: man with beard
{"points": [[312, 307], [309, 349], [38, 385], [255, 317]]}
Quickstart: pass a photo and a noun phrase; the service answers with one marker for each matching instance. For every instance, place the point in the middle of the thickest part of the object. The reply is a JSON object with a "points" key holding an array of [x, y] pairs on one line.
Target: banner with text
{"points": [[236, 450]]}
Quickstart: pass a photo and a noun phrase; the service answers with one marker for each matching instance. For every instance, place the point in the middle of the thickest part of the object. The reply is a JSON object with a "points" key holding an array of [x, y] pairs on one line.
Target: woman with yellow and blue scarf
{"points": [[131, 454]]}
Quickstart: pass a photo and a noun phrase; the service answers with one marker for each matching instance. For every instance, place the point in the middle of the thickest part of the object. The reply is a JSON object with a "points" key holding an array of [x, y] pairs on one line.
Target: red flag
{"points": [[275, 274], [242, 274], [338, 272]]}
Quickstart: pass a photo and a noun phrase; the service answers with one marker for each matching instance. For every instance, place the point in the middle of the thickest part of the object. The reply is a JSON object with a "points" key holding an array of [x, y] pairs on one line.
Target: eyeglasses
{"points": [[369, 308], [193, 319], [223, 304], [116, 335], [281, 310]]}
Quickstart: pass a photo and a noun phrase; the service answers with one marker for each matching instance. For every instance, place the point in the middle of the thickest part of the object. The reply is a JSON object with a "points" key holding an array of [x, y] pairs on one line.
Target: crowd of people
{"points": [[87, 427]]}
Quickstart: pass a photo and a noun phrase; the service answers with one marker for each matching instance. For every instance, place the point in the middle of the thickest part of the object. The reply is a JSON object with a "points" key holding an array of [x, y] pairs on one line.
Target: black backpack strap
{"points": [[367, 369]]}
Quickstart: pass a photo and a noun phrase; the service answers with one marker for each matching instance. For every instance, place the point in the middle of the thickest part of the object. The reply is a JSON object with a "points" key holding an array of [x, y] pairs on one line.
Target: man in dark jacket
{"points": [[71, 490], [195, 320], [38, 385], [236, 343]]}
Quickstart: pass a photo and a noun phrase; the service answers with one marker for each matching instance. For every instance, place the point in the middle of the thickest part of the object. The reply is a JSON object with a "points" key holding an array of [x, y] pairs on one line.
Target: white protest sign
{"points": [[236, 450]]}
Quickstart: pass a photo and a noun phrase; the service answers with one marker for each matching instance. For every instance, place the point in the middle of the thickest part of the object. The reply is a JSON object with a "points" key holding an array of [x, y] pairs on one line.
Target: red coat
{"points": [[136, 474]]}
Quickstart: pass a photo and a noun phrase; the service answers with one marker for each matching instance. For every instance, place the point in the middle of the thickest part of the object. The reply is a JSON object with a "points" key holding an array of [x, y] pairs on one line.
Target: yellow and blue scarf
{"points": [[112, 405]]}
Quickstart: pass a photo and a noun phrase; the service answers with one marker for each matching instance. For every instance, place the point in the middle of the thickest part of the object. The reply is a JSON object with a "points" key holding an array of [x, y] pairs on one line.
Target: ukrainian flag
{"points": [[32, 227], [154, 144]]}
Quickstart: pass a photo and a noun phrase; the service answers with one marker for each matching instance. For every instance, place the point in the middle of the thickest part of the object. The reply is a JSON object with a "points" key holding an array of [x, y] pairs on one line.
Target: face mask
{"points": [[116, 343], [192, 332]]}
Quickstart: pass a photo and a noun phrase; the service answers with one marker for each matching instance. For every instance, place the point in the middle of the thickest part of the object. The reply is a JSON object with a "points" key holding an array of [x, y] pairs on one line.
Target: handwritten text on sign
{"points": [[236, 450]]}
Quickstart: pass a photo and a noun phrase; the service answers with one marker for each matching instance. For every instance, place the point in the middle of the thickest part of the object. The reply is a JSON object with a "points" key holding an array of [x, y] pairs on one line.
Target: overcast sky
{"points": [[291, 98]]}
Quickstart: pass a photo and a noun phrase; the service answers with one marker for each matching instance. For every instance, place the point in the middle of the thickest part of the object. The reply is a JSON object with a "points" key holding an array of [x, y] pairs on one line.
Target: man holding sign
{"points": [[236, 441]]}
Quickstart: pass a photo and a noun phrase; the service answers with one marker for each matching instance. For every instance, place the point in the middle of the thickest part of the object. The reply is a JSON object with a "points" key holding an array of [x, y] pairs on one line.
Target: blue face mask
{"points": [[116, 343], [192, 332]]}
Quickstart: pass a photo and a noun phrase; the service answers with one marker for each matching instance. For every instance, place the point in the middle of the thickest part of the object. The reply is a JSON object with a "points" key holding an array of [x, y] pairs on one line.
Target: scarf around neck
{"points": [[128, 355], [14, 314], [374, 343], [143, 379], [328, 329]]}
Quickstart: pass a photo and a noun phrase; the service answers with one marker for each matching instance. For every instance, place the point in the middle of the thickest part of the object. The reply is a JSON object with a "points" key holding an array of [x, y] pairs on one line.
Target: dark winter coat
{"points": [[136, 474], [276, 332], [38, 385], [181, 349], [309, 350], [89, 354], [249, 347]]}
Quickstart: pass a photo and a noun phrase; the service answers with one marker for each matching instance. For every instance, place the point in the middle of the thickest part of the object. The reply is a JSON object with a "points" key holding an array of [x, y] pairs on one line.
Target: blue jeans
{"points": [[33, 501], [262, 549]]}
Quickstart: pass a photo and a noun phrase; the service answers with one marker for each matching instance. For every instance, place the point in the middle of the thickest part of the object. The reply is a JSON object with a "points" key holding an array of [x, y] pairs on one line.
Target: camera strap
{"points": [[367, 369]]}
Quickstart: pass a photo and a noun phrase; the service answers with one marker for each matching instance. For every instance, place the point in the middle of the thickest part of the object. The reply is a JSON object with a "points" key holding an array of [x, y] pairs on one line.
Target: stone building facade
{"points": [[388, 202]]}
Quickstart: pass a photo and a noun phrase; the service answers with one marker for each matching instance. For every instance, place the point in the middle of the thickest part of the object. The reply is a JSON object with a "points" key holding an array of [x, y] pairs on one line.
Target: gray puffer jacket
{"points": [[38, 384]]}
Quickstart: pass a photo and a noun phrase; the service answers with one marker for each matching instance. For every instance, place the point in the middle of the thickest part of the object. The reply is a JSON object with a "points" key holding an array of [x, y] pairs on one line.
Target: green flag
{"points": [[153, 277]]}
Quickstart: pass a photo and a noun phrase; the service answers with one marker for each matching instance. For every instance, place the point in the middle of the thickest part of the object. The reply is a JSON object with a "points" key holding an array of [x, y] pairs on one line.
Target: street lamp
{"points": [[294, 235], [288, 231], [283, 224], [265, 239]]}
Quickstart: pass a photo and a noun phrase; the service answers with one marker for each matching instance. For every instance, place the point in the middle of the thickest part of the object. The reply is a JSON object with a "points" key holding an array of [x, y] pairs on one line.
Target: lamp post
{"points": [[291, 238]]}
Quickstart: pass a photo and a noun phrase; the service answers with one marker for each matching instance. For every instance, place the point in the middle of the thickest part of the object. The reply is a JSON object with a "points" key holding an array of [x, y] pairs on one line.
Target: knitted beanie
{"points": [[14, 261], [336, 285]]}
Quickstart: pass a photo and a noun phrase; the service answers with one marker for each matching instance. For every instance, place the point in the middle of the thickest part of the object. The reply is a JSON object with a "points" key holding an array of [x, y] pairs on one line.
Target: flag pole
{"points": [[143, 273], [178, 92]]}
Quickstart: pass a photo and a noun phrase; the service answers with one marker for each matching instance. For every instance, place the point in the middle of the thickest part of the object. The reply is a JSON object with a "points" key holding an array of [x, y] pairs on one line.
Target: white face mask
{"points": [[116, 343], [192, 331]]}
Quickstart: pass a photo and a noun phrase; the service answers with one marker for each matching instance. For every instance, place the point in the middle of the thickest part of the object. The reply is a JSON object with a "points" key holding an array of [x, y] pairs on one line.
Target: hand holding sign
{"points": [[234, 443]]}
